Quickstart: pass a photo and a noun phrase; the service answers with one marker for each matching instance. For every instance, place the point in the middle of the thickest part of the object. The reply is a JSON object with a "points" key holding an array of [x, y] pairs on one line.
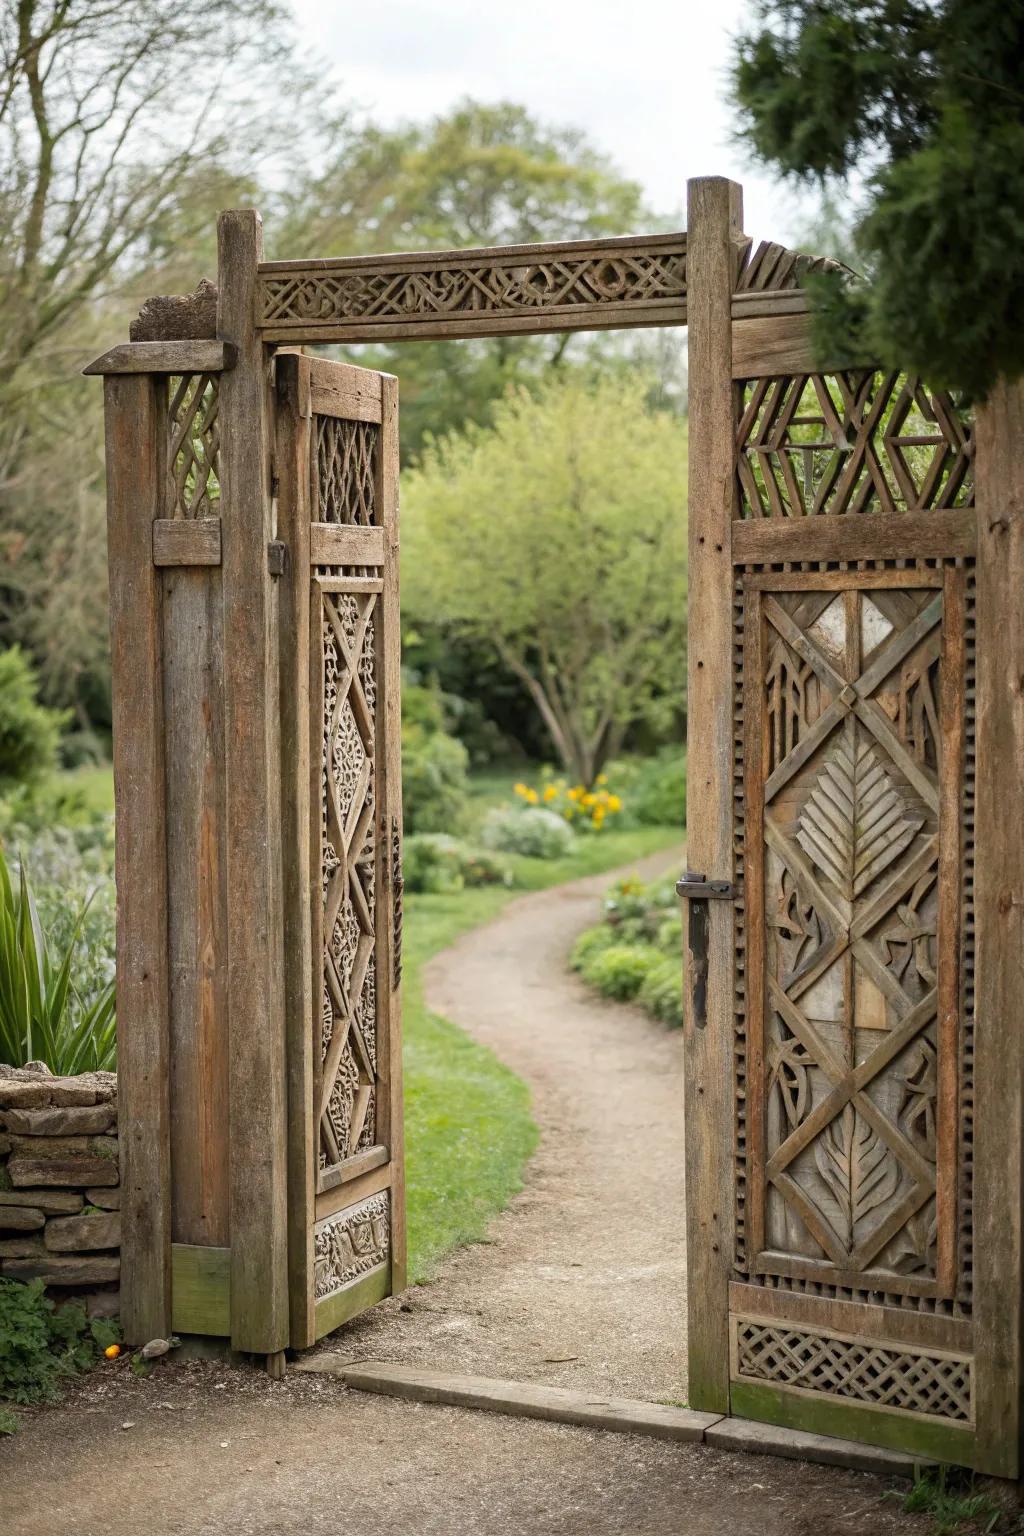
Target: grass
{"points": [[93, 784], [469, 1131], [956, 1505]]}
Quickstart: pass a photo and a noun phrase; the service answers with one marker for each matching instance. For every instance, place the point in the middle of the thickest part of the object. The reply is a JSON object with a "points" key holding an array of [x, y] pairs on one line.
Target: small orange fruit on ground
{"points": [[112, 1351]]}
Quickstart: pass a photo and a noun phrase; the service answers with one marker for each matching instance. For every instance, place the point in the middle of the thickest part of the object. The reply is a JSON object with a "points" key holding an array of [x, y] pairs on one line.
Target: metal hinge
{"points": [[277, 557]]}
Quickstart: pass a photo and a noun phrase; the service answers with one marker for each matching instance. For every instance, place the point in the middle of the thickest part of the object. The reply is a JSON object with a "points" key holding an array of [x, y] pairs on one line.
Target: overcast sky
{"points": [[646, 80]]}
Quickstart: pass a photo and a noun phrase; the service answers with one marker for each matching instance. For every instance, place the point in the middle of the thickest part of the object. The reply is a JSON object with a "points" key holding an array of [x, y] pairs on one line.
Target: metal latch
{"points": [[698, 891], [700, 888]]}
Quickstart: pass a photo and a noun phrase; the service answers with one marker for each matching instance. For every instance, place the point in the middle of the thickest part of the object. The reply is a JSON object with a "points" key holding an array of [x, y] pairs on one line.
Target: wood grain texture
{"points": [[202, 1290], [258, 1128], [164, 357], [389, 747], [909, 535], [896, 1324], [714, 218], [292, 454], [999, 864], [135, 412], [333, 545], [776, 343], [186, 541], [197, 905]]}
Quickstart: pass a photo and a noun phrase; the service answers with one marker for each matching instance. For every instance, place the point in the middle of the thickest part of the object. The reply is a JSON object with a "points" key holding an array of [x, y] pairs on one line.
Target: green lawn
{"points": [[469, 1131]]}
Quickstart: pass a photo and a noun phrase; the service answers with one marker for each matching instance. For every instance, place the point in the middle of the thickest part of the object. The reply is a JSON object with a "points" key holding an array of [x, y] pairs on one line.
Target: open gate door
{"points": [[336, 474]]}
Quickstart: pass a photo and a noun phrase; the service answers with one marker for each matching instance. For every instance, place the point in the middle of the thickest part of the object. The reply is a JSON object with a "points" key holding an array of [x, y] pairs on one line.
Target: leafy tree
{"points": [[927, 98], [481, 175], [28, 732], [557, 537]]}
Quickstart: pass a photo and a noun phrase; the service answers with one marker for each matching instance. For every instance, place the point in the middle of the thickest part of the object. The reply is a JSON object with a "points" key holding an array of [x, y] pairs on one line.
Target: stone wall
{"points": [[59, 1194]]}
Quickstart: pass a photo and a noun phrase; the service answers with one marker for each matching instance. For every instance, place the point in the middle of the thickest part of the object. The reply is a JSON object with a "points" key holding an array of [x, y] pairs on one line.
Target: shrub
{"points": [[41, 1342], [434, 782], [533, 831], [619, 970], [662, 991], [639, 911], [436, 863], [657, 793], [43, 1014], [590, 943], [29, 733]]}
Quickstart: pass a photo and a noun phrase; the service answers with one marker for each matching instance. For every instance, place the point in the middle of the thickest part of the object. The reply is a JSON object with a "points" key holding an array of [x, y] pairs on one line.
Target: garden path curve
{"points": [[582, 1280]]}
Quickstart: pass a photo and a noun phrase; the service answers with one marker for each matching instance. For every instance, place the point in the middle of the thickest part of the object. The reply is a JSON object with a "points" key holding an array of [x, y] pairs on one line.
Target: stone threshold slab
{"points": [[622, 1415]]}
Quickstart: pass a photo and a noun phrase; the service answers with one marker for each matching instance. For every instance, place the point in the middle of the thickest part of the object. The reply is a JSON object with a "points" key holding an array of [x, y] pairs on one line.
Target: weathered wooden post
{"points": [[197, 785]]}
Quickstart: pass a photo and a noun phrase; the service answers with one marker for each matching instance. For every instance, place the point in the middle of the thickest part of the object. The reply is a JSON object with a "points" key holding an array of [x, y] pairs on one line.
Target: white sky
{"points": [[646, 81]]}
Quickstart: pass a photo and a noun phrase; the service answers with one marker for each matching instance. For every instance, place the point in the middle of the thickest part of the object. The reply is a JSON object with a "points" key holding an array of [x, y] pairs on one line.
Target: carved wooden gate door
{"points": [[336, 473], [851, 1039], [843, 1206]]}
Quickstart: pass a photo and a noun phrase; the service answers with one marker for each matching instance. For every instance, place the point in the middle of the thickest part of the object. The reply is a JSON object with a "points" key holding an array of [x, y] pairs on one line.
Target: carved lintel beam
{"points": [[178, 316]]}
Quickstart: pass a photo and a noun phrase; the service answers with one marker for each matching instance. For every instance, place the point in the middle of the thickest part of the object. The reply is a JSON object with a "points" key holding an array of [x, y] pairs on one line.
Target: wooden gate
{"points": [[832, 1059], [337, 485]]}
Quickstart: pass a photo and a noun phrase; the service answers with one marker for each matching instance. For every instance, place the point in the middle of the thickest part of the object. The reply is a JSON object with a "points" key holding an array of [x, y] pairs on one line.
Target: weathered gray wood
{"points": [[776, 343], [136, 436], [186, 541], [178, 316], [302, 1002], [197, 903], [715, 218], [558, 1405], [259, 1267], [999, 871], [389, 748], [330, 544], [916, 535], [164, 357]]}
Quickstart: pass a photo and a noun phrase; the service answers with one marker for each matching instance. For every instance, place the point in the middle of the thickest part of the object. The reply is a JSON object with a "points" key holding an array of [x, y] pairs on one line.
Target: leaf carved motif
{"points": [[856, 823], [858, 1168]]}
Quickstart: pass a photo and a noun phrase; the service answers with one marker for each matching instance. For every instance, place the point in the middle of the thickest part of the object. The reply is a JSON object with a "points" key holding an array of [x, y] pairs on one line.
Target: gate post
{"points": [[714, 223], [998, 1123], [135, 408], [258, 1094]]}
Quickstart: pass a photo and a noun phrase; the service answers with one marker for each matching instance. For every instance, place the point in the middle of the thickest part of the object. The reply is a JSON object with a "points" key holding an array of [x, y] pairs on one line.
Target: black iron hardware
{"points": [[698, 891]]}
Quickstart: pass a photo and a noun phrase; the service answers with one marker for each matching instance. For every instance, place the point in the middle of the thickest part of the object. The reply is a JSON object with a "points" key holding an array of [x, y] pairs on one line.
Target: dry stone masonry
{"points": [[59, 1184]]}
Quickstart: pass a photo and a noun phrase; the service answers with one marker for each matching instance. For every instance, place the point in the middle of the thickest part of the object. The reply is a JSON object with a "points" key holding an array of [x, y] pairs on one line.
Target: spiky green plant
{"points": [[42, 1015]]}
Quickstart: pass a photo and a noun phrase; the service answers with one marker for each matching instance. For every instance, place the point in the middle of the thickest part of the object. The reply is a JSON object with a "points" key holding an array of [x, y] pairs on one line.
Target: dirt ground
{"points": [[581, 1284]]}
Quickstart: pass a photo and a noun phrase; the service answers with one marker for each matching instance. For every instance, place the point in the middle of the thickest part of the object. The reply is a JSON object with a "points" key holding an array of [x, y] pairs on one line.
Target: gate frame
{"points": [[745, 317]]}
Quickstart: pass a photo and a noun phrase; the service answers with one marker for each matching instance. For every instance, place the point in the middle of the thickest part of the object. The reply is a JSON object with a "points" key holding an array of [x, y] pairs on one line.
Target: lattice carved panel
{"points": [[352, 1244], [345, 460], [827, 1363], [813, 445], [497, 283], [348, 1040], [853, 1140], [193, 446]]}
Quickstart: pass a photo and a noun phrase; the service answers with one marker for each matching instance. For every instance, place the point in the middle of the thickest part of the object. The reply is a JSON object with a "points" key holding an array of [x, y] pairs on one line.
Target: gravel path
{"points": [[582, 1283]]}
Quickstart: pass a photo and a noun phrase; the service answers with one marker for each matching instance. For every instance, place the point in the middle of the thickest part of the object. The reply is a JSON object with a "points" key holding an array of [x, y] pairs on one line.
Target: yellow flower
{"points": [[602, 778], [531, 797], [573, 794], [520, 789], [614, 803], [589, 800], [112, 1351], [550, 792]]}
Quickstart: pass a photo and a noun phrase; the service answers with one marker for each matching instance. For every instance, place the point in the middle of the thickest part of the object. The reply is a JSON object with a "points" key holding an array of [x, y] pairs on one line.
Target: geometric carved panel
{"points": [[851, 443], [859, 1370], [846, 753], [349, 985], [193, 446]]}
